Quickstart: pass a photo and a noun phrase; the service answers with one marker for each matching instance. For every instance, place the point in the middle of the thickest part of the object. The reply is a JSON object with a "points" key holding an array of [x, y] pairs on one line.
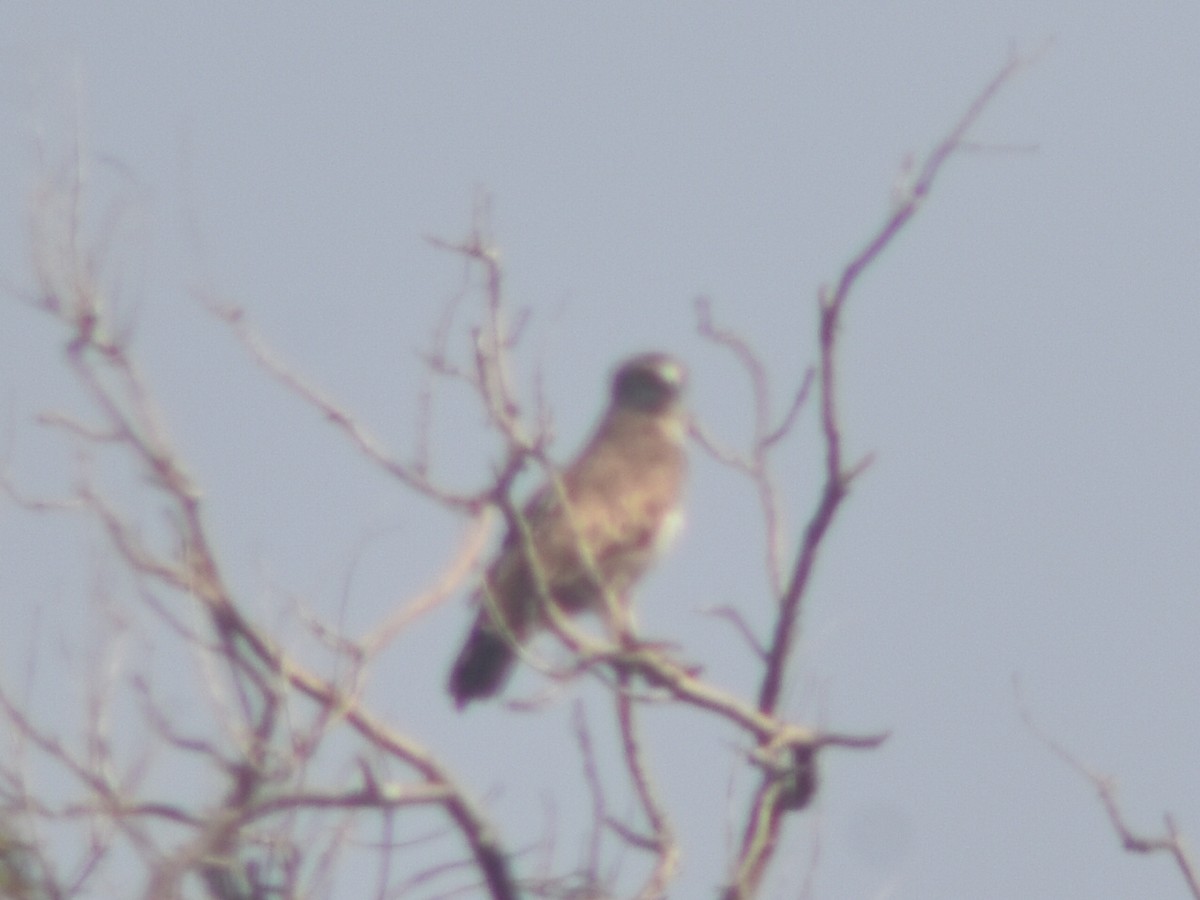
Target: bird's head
{"points": [[651, 383]]}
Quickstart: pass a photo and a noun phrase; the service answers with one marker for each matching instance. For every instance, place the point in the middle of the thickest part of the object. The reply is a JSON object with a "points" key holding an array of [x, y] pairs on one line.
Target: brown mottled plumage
{"points": [[623, 493]]}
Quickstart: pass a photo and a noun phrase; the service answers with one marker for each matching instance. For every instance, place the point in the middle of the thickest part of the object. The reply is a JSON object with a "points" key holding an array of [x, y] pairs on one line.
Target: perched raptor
{"points": [[623, 492]]}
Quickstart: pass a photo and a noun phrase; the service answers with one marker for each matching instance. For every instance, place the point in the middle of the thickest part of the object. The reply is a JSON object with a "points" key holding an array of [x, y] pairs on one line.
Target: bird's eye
{"points": [[644, 389]]}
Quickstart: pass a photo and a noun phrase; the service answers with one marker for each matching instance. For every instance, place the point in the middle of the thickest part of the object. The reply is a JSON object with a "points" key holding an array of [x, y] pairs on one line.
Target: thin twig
{"points": [[1171, 842], [662, 842]]}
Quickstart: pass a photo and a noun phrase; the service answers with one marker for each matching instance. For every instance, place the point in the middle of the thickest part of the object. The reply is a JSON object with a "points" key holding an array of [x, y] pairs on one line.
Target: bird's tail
{"points": [[483, 664]]}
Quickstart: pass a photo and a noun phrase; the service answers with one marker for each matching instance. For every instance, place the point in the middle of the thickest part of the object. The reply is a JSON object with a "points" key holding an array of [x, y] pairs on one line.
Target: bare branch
{"points": [[831, 304], [735, 618], [789, 788], [591, 776], [448, 582], [1105, 786], [412, 476], [661, 841], [260, 779], [755, 464]]}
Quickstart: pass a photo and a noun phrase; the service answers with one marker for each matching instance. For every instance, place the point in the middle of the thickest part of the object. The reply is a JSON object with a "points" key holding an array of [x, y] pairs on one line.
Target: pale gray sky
{"points": [[1024, 362]]}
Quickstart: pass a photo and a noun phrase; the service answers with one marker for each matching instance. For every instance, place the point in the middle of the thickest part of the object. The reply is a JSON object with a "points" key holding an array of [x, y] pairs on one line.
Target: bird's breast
{"points": [[668, 530]]}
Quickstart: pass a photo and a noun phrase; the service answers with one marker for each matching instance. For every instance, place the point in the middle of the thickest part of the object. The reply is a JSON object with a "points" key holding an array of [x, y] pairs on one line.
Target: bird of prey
{"points": [[622, 496]]}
